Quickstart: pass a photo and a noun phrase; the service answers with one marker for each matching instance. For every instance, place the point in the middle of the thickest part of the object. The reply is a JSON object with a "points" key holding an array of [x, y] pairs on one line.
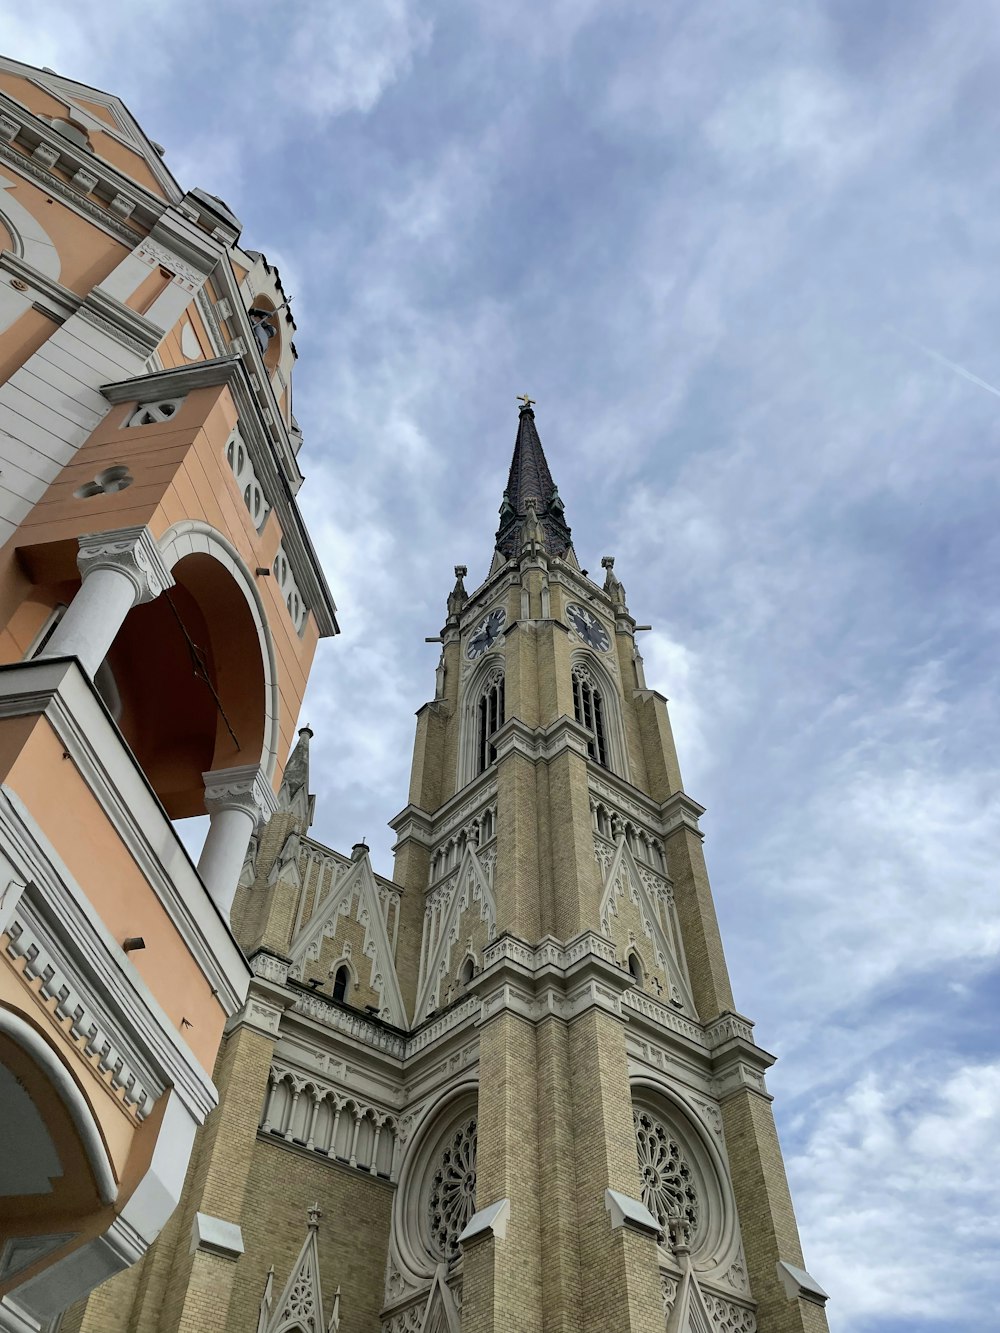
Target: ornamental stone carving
{"points": [[668, 1189], [452, 1198], [132, 552], [245, 788]]}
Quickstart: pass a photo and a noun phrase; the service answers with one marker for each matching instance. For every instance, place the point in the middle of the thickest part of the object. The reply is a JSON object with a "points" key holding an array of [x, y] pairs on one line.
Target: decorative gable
{"points": [[446, 922], [355, 895], [299, 1309], [625, 881]]}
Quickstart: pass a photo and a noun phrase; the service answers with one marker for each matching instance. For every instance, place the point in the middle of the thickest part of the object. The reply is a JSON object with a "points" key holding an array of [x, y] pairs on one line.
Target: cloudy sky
{"points": [[743, 254]]}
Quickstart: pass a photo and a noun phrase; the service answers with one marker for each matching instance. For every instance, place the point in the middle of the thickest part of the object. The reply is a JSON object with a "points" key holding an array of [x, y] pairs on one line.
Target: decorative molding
{"points": [[254, 497], [79, 1008], [20, 1252], [154, 412], [59, 689], [659, 1014], [372, 910], [132, 552], [284, 574], [244, 788], [72, 941]]}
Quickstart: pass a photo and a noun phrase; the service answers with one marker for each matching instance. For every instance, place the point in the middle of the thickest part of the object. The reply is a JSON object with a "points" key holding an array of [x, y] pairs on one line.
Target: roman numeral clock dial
{"points": [[589, 628], [486, 633]]}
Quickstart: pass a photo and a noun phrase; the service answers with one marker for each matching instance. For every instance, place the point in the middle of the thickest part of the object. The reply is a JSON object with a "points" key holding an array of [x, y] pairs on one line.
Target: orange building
{"points": [[160, 605]]}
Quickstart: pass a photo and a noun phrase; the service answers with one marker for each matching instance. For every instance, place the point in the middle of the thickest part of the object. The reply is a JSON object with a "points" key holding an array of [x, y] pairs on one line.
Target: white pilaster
{"points": [[236, 798], [120, 569]]}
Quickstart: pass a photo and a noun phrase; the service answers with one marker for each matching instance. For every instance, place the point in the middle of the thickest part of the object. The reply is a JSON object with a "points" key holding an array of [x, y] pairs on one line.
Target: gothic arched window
{"points": [[489, 719], [340, 982], [635, 967], [468, 972], [588, 708]]}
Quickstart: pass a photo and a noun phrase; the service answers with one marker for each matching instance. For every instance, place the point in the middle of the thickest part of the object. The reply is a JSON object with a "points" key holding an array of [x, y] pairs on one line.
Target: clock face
{"points": [[589, 628], [486, 633]]}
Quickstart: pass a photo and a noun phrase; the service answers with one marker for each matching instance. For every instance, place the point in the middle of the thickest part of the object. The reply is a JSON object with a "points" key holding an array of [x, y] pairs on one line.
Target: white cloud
{"points": [[898, 1187]]}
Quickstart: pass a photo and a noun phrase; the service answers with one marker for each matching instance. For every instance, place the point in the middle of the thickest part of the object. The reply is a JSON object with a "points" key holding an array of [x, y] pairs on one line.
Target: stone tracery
{"points": [[452, 1198], [668, 1188]]}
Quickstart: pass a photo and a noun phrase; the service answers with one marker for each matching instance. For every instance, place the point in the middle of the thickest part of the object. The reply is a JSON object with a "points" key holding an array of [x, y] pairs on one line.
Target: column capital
{"points": [[132, 552], [245, 788]]}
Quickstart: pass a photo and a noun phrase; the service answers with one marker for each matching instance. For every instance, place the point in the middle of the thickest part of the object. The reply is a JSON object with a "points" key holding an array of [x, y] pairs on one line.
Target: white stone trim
{"points": [[490, 1221], [132, 552], [61, 691], [284, 576], [800, 1285], [630, 1213], [216, 1236], [91, 964], [254, 496]]}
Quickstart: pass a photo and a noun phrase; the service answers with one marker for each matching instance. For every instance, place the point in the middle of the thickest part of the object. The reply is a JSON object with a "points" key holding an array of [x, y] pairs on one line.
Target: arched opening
{"points": [[596, 708], [467, 972], [265, 324], [489, 719], [54, 1161], [189, 677], [341, 981], [635, 968]]}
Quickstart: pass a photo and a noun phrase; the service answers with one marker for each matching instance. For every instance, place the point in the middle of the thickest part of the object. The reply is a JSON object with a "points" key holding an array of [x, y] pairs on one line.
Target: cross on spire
{"points": [[525, 400]]}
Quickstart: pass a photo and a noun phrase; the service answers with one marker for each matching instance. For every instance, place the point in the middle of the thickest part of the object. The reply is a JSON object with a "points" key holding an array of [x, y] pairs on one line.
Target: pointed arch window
{"points": [[489, 719], [635, 968], [341, 980], [588, 709]]}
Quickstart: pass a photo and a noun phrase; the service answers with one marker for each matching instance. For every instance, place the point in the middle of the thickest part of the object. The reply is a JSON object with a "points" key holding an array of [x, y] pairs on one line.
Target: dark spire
{"points": [[530, 478]]}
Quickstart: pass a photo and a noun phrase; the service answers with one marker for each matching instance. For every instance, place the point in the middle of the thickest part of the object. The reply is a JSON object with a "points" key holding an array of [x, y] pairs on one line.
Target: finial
{"points": [[525, 401], [607, 562], [461, 571], [315, 1213]]}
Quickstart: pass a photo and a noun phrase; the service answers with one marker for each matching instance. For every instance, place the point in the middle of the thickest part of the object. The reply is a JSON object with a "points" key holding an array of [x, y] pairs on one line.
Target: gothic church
{"points": [[507, 1089], [504, 1091]]}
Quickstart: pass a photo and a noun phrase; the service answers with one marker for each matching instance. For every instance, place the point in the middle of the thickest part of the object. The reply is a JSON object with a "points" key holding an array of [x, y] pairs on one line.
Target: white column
{"points": [[235, 798], [120, 570]]}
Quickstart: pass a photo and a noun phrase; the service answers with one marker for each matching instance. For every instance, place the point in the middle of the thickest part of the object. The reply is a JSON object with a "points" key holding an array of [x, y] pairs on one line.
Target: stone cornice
{"points": [[89, 174], [56, 301], [550, 979], [418, 824], [541, 743], [126, 325]]}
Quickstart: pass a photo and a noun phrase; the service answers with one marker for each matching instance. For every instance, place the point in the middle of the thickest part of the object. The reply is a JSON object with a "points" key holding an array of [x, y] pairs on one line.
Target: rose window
{"points": [[667, 1179], [452, 1199]]}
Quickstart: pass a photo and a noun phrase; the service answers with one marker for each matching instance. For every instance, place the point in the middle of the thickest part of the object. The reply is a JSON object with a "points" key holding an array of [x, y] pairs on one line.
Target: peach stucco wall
{"points": [[127, 159], [180, 472], [86, 253], [95, 855]]}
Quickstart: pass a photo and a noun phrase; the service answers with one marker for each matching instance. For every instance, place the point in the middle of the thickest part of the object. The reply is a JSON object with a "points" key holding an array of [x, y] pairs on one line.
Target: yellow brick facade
{"points": [[561, 1108]]}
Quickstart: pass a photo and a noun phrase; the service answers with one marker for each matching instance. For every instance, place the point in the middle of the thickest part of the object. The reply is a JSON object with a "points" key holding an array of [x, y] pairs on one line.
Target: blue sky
{"points": [[743, 255]]}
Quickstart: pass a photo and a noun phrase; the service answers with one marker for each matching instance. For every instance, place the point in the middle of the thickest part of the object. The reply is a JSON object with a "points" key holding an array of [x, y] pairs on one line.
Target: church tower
{"points": [[512, 1078]]}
